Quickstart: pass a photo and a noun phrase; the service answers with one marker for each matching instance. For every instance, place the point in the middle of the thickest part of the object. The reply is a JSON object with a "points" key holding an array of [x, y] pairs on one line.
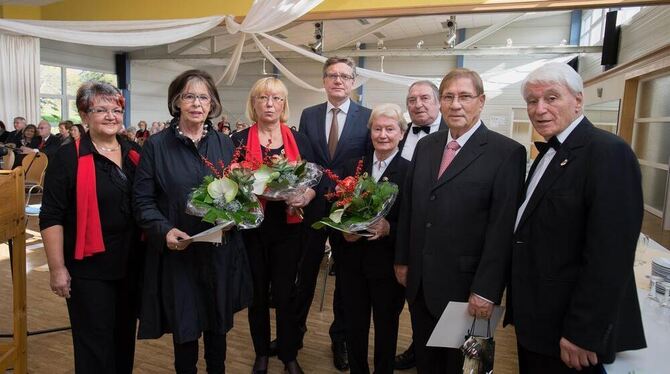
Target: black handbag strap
{"points": [[488, 327]]}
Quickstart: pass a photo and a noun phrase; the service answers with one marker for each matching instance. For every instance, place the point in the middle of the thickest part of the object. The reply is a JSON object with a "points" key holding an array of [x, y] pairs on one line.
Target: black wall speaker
{"points": [[610, 41], [574, 63], [121, 70]]}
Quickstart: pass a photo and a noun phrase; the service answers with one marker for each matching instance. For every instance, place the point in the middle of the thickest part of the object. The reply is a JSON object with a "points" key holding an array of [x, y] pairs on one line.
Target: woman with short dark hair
{"points": [[90, 238], [189, 290]]}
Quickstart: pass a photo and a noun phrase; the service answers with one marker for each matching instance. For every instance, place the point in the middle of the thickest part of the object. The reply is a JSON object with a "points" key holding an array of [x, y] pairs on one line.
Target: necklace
{"points": [[195, 141], [114, 149]]}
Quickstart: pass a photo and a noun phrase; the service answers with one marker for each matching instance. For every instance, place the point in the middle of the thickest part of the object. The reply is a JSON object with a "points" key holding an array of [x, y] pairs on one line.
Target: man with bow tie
{"points": [[572, 297], [454, 238]]}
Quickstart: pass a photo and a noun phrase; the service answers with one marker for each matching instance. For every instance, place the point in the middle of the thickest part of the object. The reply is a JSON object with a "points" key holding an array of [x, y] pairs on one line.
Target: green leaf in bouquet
{"points": [[207, 199], [300, 170], [210, 216]]}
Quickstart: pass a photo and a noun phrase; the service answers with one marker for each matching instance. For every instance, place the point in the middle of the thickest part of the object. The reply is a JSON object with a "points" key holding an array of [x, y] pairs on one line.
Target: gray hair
{"points": [[392, 111], [556, 73], [436, 92], [340, 60]]}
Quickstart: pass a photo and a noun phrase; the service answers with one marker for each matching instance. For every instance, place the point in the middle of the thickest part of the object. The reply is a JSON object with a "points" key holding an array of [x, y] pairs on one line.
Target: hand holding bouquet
{"points": [[227, 196], [360, 202]]}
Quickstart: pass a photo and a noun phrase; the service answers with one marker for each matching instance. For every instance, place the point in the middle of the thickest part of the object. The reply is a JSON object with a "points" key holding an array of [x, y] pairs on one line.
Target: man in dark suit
{"points": [[337, 130], [423, 106], [15, 136], [49, 144], [457, 217], [572, 297]]}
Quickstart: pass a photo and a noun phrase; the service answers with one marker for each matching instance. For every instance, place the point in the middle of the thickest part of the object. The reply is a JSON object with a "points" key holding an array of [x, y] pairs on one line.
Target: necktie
{"points": [[42, 144], [418, 129], [333, 134], [448, 156], [551, 143]]}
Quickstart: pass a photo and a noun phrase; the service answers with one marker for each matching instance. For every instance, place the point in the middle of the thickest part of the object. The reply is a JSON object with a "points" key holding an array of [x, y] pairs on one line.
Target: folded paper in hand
{"points": [[213, 235]]}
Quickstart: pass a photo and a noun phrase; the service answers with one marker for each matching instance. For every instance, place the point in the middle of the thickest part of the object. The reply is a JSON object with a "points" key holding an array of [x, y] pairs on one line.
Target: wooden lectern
{"points": [[13, 227]]}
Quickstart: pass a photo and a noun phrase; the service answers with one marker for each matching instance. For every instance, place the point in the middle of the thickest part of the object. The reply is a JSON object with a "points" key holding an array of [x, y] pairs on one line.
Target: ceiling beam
{"points": [[469, 42], [364, 33]]}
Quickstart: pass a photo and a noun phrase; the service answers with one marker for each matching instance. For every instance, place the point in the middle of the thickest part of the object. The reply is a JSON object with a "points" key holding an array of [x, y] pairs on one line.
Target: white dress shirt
{"points": [[463, 138], [379, 166], [412, 138], [542, 167], [341, 117]]}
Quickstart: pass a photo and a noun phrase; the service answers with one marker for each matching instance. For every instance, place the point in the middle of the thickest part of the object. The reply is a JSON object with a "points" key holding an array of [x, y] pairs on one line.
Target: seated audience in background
{"points": [[142, 133], [28, 142], [49, 143], [64, 130], [365, 265], [3, 132], [14, 137], [76, 131], [155, 128], [572, 298], [130, 133], [90, 237]]}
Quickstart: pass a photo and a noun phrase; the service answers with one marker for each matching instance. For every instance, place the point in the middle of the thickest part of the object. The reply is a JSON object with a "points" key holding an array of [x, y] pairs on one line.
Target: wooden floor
{"points": [[52, 353]]}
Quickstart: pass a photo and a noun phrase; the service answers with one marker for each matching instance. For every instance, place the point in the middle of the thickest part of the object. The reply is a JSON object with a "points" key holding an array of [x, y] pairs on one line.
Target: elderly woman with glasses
{"points": [[274, 247], [365, 269], [90, 238], [189, 290]]}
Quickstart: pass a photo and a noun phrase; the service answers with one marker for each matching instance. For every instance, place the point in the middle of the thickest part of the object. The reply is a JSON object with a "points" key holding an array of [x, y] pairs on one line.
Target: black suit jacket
{"points": [[50, 146], [455, 232], [353, 143], [401, 145], [572, 268], [373, 258]]}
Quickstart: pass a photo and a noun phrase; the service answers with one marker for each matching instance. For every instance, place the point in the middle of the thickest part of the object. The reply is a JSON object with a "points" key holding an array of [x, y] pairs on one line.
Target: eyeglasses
{"points": [[265, 99], [344, 77], [190, 98], [103, 111], [464, 98]]}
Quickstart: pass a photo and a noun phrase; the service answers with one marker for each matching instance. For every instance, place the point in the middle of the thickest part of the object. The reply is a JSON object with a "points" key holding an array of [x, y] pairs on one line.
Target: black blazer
{"points": [[455, 232], [401, 145], [374, 258], [50, 146], [572, 267], [353, 143]]}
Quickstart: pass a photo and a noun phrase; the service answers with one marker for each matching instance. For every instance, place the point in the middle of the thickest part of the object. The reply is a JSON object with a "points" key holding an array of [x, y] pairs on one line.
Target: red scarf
{"points": [[291, 151], [89, 230]]}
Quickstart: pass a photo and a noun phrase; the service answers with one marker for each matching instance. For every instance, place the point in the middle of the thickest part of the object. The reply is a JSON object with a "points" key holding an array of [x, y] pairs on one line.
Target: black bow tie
{"points": [[543, 147], [418, 129]]}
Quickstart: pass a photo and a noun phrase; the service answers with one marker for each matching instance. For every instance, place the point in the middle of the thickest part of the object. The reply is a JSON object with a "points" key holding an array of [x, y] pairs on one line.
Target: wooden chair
{"points": [[35, 173], [8, 160], [12, 227]]}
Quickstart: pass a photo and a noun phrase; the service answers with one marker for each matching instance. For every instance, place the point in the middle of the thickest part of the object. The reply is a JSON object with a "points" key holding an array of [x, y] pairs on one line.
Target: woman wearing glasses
{"points": [[188, 290], [90, 238], [274, 247]]}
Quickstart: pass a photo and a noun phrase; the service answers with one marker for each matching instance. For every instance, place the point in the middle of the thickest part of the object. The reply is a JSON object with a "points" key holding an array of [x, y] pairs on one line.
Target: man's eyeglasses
{"points": [[190, 98], [265, 99], [464, 98], [344, 77], [102, 112]]}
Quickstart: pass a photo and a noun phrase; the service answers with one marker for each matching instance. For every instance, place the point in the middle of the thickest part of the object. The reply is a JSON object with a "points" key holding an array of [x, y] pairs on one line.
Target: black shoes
{"points": [[405, 360], [260, 365], [340, 359]]}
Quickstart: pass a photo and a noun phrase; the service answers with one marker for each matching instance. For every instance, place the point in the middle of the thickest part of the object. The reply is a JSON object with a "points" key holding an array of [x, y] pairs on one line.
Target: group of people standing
{"points": [[465, 227]]}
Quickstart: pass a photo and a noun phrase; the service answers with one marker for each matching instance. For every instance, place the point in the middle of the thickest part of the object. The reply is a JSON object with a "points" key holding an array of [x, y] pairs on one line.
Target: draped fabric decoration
{"points": [[114, 33], [20, 78]]}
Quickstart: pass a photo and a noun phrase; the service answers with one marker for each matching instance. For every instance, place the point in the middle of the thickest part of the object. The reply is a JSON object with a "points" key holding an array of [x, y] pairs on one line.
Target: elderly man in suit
{"points": [[572, 298], [455, 229], [423, 106], [49, 144], [337, 131], [15, 135]]}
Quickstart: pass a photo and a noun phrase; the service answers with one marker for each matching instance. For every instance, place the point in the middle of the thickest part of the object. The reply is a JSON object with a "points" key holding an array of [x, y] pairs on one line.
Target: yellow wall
{"points": [[20, 12]]}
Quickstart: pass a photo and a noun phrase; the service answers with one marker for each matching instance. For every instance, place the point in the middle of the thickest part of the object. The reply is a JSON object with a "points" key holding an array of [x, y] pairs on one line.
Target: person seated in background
{"points": [[76, 131], [142, 133], [3, 133], [155, 128], [64, 132], [28, 143], [130, 133], [49, 144], [15, 136]]}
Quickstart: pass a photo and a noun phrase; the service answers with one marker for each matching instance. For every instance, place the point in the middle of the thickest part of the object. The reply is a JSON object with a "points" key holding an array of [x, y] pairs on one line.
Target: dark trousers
{"points": [[103, 315], [274, 252], [308, 272], [431, 359], [537, 363], [186, 354], [384, 299]]}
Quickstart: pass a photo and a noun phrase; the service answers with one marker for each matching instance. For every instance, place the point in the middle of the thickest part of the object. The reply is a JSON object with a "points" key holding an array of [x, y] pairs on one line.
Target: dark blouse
{"points": [[114, 186], [142, 134]]}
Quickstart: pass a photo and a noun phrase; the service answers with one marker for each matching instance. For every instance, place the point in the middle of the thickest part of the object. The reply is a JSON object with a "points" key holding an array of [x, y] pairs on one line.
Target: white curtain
{"points": [[113, 33], [20, 77]]}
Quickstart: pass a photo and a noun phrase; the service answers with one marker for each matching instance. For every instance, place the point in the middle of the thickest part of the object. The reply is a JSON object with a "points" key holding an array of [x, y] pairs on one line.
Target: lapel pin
{"points": [[564, 162]]}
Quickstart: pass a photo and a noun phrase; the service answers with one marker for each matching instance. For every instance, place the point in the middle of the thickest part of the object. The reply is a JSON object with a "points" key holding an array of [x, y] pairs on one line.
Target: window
{"points": [[58, 91]]}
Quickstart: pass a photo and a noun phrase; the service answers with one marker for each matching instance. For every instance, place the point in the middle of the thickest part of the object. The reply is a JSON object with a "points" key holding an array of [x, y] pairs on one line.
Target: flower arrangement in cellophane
{"points": [[359, 201]]}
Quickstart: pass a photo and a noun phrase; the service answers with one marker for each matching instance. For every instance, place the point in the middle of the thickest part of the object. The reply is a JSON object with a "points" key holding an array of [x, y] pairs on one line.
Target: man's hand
{"points": [[401, 274], [575, 357], [350, 237], [479, 307]]}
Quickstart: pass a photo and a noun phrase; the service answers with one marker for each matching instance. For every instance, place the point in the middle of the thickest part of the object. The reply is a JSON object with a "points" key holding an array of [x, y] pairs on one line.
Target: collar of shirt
{"points": [[464, 138], [565, 133], [386, 161], [344, 108]]}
